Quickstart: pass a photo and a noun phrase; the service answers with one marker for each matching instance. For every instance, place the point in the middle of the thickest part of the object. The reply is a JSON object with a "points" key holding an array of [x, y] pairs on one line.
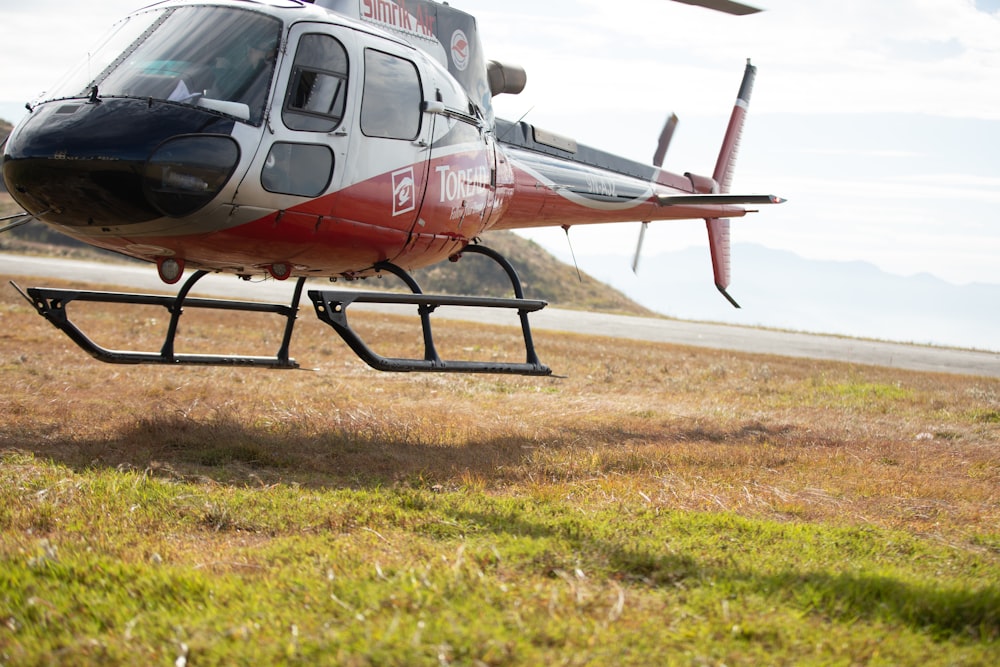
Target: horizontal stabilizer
{"points": [[719, 199]]}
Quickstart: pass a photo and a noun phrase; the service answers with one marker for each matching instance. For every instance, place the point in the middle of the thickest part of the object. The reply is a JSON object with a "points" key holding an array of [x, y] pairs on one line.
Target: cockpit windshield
{"points": [[216, 58]]}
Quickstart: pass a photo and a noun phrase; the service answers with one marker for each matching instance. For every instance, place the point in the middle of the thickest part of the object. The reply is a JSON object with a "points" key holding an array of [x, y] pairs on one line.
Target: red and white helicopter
{"points": [[337, 139]]}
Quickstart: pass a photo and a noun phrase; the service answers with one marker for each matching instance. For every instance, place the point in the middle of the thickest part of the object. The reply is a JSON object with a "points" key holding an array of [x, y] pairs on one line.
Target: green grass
{"points": [[119, 567], [658, 505]]}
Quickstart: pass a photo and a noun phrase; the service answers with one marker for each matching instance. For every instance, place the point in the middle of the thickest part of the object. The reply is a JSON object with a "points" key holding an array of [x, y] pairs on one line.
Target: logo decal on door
{"points": [[403, 195]]}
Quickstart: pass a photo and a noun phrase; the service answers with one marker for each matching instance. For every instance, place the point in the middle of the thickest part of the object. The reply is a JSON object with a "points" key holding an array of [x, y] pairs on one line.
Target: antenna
{"points": [[572, 254], [516, 123]]}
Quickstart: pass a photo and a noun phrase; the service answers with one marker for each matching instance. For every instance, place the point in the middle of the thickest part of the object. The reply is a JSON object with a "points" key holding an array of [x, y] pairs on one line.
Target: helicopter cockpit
{"points": [[217, 58]]}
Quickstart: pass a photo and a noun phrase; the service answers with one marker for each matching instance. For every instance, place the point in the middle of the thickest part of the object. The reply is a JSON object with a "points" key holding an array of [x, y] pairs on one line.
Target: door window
{"points": [[390, 104], [317, 88], [297, 169]]}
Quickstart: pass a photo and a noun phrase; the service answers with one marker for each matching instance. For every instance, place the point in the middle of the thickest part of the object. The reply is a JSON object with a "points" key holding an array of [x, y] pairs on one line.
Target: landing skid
{"points": [[52, 303], [331, 308]]}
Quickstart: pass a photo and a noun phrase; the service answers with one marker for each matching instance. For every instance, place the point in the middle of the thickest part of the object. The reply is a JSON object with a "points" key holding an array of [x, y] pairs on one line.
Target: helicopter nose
{"points": [[117, 162]]}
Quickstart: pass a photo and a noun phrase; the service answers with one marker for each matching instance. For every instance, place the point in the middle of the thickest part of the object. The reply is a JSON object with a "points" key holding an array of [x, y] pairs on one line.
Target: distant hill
{"points": [[780, 289], [542, 277]]}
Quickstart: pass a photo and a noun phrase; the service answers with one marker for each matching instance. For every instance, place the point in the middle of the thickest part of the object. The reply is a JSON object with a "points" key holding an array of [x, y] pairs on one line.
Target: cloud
{"points": [[928, 56], [45, 38], [837, 121]]}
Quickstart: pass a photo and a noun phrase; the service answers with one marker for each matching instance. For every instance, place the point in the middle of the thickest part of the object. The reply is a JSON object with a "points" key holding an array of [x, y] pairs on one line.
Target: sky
{"points": [[879, 122]]}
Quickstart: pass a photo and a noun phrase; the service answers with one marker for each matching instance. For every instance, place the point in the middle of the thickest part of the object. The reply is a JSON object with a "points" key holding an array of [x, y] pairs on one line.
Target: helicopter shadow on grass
{"points": [[374, 448]]}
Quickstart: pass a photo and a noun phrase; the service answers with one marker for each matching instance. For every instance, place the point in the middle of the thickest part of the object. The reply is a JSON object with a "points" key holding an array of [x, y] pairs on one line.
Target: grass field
{"points": [[658, 505]]}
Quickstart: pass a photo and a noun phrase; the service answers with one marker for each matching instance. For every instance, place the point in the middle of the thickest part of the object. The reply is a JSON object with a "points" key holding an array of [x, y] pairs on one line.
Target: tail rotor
{"points": [[661, 151]]}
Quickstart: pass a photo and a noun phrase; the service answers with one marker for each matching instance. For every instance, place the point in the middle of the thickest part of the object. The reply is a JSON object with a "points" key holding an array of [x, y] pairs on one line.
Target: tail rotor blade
{"points": [[661, 152], [664, 143]]}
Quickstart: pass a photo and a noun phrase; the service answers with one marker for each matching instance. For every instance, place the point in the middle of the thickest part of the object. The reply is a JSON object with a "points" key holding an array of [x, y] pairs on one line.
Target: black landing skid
{"points": [[52, 304], [331, 308]]}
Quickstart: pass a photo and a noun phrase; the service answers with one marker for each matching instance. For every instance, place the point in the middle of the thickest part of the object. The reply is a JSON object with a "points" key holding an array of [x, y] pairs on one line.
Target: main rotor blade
{"points": [[727, 6]]}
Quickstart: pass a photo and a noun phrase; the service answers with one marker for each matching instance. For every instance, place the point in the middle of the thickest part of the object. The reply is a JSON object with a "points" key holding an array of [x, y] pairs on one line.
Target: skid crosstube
{"points": [[51, 303]]}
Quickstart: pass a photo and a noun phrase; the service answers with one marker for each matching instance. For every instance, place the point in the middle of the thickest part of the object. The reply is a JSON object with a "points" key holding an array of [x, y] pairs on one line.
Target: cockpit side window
{"points": [[317, 88], [390, 103]]}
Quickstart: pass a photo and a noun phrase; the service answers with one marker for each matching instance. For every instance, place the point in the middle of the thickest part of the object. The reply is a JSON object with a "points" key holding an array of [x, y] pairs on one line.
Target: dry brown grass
{"points": [[664, 425]]}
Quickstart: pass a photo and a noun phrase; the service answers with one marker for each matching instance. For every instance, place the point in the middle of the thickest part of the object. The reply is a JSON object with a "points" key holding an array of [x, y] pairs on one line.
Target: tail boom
{"points": [[556, 182]]}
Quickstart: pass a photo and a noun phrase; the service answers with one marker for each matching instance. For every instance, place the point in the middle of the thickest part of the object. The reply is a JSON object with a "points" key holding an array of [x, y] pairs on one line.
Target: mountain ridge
{"points": [[780, 289]]}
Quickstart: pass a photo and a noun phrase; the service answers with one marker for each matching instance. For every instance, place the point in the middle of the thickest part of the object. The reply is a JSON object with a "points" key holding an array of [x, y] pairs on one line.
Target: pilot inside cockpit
{"points": [[260, 59], [217, 58]]}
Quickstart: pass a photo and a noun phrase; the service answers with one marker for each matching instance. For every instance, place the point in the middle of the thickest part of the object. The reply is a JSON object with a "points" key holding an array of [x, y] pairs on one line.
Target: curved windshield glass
{"points": [[216, 58], [120, 39]]}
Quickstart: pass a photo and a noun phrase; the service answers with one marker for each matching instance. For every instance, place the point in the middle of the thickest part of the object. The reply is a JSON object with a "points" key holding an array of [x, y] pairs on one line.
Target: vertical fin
{"points": [[719, 243], [718, 228], [731, 143]]}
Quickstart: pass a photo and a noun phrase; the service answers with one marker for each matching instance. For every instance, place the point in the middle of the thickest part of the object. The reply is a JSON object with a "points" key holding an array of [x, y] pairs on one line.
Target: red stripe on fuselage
{"points": [[348, 231], [540, 199]]}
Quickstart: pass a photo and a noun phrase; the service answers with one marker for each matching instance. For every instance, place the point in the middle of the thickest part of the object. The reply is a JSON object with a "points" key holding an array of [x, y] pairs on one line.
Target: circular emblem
{"points": [[459, 50]]}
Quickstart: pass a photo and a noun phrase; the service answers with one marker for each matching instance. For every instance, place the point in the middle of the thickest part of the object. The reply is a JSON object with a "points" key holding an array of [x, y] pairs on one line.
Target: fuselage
{"points": [[280, 137]]}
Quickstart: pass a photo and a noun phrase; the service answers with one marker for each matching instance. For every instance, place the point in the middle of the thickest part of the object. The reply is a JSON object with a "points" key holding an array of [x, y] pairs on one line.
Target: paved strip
{"points": [[714, 336]]}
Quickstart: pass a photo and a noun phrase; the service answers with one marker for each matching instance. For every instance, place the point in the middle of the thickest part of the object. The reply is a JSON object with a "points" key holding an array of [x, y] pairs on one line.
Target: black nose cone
{"points": [[79, 163]]}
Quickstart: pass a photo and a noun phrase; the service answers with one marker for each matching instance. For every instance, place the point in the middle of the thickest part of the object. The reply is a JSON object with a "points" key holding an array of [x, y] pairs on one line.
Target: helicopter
{"points": [[336, 139]]}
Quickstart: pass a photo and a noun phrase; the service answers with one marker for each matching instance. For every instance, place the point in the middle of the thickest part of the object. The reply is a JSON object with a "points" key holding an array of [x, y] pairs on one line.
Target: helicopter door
{"points": [[306, 138], [393, 162]]}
